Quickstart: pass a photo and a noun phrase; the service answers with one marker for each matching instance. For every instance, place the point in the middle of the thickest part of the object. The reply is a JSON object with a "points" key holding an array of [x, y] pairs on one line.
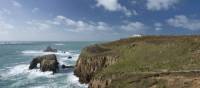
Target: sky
{"points": [[96, 20]]}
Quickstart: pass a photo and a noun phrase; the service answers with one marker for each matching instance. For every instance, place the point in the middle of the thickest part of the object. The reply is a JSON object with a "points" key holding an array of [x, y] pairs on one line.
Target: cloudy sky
{"points": [[93, 20]]}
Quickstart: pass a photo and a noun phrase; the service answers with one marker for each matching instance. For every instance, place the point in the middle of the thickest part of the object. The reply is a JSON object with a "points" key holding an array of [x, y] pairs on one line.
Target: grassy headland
{"points": [[149, 55]]}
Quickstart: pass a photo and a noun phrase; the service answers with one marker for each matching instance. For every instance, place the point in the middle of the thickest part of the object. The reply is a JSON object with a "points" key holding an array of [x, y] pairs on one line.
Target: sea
{"points": [[15, 58]]}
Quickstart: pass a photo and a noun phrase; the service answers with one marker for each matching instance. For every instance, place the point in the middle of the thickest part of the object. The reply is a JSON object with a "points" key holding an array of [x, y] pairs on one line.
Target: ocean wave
{"points": [[59, 44], [74, 58], [74, 81], [24, 76], [14, 43], [40, 52], [62, 56], [22, 69]]}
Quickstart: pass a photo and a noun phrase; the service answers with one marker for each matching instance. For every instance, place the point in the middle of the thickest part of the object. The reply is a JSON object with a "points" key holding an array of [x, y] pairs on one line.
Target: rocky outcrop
{"points": [[145, 62], [49, 49], [87, 66], [64, 66], [47, 63]]}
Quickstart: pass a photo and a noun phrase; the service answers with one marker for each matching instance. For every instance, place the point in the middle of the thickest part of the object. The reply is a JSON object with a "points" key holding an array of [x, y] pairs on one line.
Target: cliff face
{"points": [[86, 67], [93, 59], [146, 62]]}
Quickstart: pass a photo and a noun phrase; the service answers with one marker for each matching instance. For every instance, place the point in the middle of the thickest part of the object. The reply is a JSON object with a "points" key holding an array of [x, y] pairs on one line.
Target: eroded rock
{"points": [[49, 49], [47, 63]]}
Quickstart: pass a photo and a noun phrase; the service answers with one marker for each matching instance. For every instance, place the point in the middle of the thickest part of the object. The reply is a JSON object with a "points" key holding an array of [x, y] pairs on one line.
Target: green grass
{"points": [[144, 57], [149, 54]]}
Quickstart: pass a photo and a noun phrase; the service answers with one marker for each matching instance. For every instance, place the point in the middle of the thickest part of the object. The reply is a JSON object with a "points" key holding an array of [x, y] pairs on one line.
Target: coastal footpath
{"points": [[142, 62]]}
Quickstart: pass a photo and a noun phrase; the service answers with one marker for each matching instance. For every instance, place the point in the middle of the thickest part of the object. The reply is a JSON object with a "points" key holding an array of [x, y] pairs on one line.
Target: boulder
{"points": [[47, 63], [64, 66], [49, 49], [69, 57]]}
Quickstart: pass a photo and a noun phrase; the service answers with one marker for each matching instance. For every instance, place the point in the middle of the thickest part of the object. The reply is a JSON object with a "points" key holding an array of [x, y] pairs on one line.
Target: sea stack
{"points": [[49, 49], [47, 63]]}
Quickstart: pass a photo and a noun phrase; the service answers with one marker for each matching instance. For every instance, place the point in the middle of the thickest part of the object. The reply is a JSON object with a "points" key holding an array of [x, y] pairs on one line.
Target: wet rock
{"points": [[49, 49], [47, 63], [64, 66], [69, 57]]}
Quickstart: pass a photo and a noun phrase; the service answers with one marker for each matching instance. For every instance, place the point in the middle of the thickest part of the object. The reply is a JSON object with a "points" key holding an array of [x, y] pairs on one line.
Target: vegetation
{"points": [[149, 54]]}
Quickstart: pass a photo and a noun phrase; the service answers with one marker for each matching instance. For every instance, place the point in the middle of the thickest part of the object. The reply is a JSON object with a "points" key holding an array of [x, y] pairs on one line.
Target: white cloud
{"points": [[183, 21], [113, 5], [158, 26], [134, 26], [5, 27], [80, 25], [133, 2], [16, 4], [135, 12], [38, 25], [34, 10], [156, 5], [4, 11], [62, 22]]}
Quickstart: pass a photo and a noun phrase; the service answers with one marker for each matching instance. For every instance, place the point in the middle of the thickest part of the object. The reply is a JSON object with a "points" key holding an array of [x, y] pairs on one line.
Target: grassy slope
{"points": [[151, 54]]}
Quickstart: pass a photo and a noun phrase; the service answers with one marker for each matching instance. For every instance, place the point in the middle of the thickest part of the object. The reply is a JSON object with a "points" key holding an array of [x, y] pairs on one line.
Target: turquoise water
{"points": [[16, 56]]}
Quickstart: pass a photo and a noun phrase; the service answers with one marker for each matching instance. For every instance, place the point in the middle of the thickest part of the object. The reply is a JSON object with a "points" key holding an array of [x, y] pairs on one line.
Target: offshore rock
{"points": [[49, 49], [47, 63]]}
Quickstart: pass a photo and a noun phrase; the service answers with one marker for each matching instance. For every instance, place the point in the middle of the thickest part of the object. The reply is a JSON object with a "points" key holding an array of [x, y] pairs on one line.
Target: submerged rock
{"points": [[49, 49], [69, 57], [47, 63], [64, 66]]}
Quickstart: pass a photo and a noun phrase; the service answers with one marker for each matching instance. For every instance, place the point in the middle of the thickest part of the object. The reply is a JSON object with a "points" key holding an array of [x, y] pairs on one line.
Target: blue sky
{"points": [[94, 20]]}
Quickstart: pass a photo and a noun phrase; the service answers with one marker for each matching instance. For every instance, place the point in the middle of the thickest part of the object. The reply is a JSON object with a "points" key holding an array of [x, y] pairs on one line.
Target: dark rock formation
{"points": [[69, 57], [49, 49], [47, 63], [64, 66]]}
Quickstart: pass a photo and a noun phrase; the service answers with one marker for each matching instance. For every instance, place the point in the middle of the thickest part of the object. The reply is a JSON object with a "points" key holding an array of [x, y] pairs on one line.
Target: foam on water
{"points": [[74, 80], [40, 52], [62, 55], [23, 76], [59, 44], [19, 70], [14, 43]]}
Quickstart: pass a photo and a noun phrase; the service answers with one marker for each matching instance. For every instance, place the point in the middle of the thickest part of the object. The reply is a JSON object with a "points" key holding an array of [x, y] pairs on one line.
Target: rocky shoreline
{"points": [[88, 66], [48, 62], [96, 62]]}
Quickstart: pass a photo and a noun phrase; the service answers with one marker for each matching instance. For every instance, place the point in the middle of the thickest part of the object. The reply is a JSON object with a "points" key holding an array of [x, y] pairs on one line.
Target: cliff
{"points": [[91, 60], [142, 62]]}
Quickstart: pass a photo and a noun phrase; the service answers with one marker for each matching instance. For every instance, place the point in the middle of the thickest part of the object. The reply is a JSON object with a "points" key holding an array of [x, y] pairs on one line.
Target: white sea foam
{"points": [[19, 70], [40, 52], [25, 76], [22, 70], [59, 44], [39, 87], [14, 42], [75, 80]]}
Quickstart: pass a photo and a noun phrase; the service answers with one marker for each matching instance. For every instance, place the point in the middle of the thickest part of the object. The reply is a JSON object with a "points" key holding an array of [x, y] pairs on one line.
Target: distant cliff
{"points": [[142, 62]]}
